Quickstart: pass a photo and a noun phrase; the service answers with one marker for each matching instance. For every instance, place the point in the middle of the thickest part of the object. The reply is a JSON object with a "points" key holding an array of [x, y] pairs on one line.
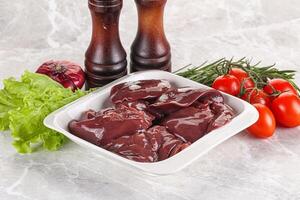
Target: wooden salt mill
{"points": [[150, 50], [105, 57]]}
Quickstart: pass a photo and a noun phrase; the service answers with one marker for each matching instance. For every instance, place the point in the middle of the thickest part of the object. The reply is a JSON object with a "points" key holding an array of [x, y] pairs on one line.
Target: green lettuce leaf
{"points": [[24, 105]]}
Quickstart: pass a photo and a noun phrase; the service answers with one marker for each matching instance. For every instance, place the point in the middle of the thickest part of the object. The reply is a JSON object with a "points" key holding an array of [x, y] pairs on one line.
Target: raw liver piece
{"points": [[153, 145], [110, 124], [140, 105], [194, 122], [174, 100], [190, 123], [223, 115], [169, 144], [139, 90], [91, 114], [143, 105], [134, 147]]}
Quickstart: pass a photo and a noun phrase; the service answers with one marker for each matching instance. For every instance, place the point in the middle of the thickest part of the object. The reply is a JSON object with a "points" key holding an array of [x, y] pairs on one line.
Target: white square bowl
{"points": [[246, 115]]}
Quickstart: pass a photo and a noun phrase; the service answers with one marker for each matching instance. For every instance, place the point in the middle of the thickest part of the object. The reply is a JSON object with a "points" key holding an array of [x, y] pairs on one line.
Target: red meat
{"points": [[138, 90], [110, 124]]}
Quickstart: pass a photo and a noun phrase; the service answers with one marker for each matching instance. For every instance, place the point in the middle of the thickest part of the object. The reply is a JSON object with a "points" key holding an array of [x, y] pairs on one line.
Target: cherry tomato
{"points": [[279, 85], [243, 77], [286, 108], [266, 124], [257, 96], [228, 84]]}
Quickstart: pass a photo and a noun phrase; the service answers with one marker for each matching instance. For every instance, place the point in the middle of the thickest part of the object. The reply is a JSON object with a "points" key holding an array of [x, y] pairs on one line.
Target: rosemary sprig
{"points": [[207, 73]]}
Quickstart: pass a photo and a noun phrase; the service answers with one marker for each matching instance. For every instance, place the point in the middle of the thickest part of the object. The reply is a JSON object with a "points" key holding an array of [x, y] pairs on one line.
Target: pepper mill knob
{"points": [[150, 49], [105, 57]]}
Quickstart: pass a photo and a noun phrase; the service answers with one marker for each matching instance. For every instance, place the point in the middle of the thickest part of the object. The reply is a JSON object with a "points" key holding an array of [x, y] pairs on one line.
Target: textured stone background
{"points": [[33, 31]]}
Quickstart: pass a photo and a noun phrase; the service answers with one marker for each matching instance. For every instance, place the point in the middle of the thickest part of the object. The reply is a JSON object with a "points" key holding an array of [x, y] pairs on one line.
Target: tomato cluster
{"points": [[277, 102]]}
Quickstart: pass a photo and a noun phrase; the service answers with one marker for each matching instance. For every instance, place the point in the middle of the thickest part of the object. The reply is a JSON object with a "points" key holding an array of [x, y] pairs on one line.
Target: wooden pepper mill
{"points": [[105, 57], [150, 50]]}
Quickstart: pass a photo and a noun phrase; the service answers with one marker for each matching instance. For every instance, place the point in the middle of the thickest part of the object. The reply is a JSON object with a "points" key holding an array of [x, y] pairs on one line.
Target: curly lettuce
{"points": [[23, 106]]}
